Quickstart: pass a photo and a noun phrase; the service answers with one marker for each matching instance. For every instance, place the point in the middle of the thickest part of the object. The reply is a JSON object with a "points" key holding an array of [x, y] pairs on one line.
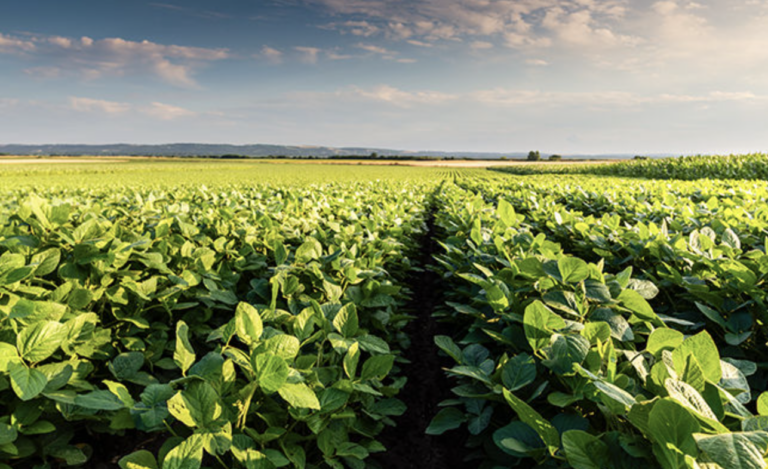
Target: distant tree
{"points": [[374, 155], [639, 157], [503, 158], [534, 155], [555, 157]]}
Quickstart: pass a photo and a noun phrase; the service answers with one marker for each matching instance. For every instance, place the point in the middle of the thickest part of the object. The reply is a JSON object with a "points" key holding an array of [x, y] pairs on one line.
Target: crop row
{"points": [[562, 357], [254, 327], [752, 166]]}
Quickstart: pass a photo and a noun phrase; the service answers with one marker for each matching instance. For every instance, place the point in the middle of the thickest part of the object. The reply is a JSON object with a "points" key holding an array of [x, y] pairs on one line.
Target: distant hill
{"points": [[255, 150]]}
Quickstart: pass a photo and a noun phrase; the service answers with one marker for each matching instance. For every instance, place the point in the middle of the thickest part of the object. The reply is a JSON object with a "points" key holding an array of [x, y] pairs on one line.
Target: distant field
{"points": [[16, 160]]}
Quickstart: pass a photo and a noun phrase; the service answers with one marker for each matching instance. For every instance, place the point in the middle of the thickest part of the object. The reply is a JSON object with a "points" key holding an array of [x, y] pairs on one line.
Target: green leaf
{"points": [[284, 346], [377, 367], [271, 372], [142, 459], [565, 351], [40, 340], [184, 354], [585, 451], [731, 239], [546, 431], [691, 399], [572, 269], [8, 434], [46, 261], [506, 213], [99, 400], [517, 439], [299, 395], [762, 404], [27, 383], [447, 345], [704, 349], [196, 406], [351, 359], [634, 302], [518, 372], [672, 427], [741, 450], [310, 250], [596, 331], [346, 322], [663, 339], [535, 322], [187, 455], [248, 324], [448, 418], [126, 365]]}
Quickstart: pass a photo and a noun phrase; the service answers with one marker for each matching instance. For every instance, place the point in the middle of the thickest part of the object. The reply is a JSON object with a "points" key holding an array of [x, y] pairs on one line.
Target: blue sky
{"points": [[576, 76]]}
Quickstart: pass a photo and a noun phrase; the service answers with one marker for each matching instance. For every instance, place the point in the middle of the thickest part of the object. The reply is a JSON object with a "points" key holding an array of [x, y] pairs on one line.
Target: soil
{"points": [[108, 449], [408, 446]]}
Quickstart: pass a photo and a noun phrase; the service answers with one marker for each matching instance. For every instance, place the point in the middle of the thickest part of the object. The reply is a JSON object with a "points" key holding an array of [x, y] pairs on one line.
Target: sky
{"points": [[569, 77]]}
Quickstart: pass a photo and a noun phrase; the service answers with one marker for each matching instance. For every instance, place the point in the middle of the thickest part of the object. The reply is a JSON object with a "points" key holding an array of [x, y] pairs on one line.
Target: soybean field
{"points": [[241, 315]]}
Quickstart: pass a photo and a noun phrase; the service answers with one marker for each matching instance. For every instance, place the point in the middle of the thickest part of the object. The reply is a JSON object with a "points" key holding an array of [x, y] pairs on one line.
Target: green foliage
{"points": [[260, 324], [622, 341]]}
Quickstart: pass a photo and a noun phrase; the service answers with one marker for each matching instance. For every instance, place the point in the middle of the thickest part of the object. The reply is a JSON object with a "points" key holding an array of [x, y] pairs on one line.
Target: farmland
{"points": [[169, 315]]}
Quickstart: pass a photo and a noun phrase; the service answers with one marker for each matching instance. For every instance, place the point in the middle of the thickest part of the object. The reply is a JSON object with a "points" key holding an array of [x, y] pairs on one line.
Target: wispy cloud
{"points": [[156, 110], [271, 54], [167, 111], [204, 14], [308, 54], [98, 105], [56, 56]]}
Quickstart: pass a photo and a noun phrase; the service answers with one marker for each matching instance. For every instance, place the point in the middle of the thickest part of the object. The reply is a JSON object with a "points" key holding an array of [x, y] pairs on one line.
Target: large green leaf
{"points": [[27, 383], [299, 395], [572, 269], [184, 354], [664, 339], [535, 324], [196, 406], [585, 451], [187, 455], [377, 367], [543, 427], [672, 427], [141, 459], [704, 349], [40, 340], [744, 450], [762, 404], [346, 322], [565, 352], [271, 372], [248, 324], [634, 302], [448, 418], [518, 372]]}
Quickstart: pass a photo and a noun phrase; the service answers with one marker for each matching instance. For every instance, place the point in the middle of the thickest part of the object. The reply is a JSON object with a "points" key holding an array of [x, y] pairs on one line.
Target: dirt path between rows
{"points": [[408, 445]]}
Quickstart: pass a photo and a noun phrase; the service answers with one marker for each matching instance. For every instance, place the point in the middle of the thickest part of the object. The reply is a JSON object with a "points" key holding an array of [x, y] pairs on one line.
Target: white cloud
{"points": [[9, 45], [516, 23], [375, 49], [271, 54], [93, 59], [537, 62], [166, 111], [481, 45], [98, 105], [156, 110], [308, 54]]}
